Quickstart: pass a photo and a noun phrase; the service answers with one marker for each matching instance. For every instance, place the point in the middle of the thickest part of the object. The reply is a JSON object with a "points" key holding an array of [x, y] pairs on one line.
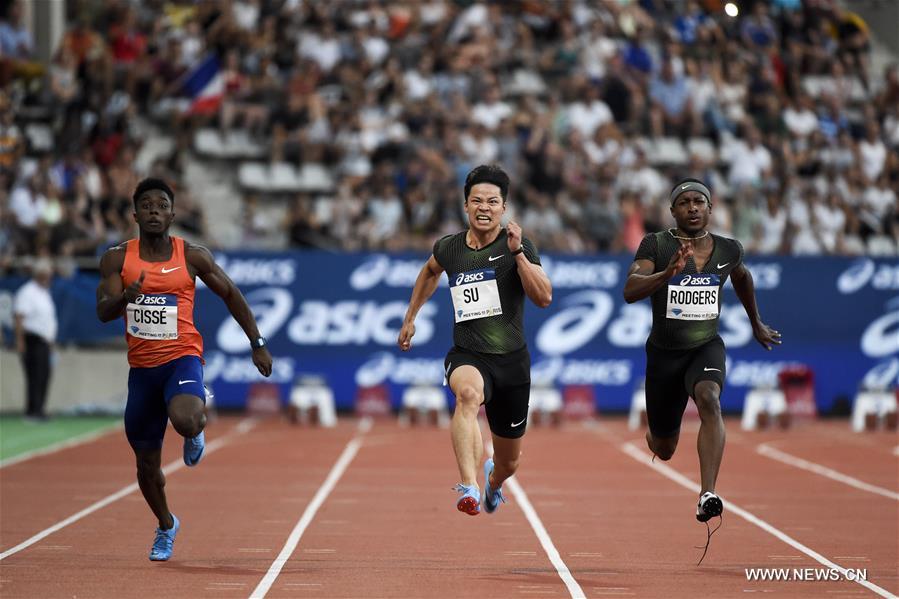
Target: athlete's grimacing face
{"points": [[154, 211], [485, 206], [691, 212]]}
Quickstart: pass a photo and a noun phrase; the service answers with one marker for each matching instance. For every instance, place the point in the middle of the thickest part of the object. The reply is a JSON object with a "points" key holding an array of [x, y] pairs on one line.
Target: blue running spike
{"points": [[492, 497], [194, 448], [162, 545]]}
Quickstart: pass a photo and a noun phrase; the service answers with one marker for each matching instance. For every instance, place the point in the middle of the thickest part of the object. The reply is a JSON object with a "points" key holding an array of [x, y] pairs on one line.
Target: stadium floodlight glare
{"points": [[731, 9]]}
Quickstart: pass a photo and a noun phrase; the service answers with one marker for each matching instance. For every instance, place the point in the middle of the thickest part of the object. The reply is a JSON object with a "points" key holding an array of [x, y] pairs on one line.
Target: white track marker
{"points": [[349, 452], [59, 446], [240, 429], [672, 474], [776, 454], [574, 589]]}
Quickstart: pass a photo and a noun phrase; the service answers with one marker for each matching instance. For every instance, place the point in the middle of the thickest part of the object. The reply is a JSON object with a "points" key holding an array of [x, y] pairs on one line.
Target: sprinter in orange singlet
{"points": [[151, 281]]}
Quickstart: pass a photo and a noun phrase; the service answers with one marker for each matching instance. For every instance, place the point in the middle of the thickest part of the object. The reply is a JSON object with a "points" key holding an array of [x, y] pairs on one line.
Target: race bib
{"points": [[693, 297], [475, 295], [153, 317]]}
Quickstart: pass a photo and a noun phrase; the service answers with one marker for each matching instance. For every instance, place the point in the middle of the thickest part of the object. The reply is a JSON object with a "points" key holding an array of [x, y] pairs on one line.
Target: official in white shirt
{"points": [[35, 324]]}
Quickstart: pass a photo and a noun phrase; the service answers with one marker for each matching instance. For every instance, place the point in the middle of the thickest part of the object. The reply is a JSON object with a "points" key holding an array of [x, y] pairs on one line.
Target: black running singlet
{"points": [[685, 310], [488, 299]]}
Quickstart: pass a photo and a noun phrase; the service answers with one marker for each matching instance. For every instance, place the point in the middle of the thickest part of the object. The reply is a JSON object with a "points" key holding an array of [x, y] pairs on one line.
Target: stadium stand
{"points": [[365, 115]]}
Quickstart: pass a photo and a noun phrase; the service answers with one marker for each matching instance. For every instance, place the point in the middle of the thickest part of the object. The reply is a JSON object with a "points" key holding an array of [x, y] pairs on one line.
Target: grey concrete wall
{"points": [[81, 379]]}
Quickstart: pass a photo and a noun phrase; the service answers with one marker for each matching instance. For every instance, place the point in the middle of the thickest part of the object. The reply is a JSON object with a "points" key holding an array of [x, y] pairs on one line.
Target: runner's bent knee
{"points": [[469, 398]]}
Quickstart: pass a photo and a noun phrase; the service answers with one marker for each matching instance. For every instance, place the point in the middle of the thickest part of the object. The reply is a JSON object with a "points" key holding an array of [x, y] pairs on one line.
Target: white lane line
{"points": [[74, 441], [240, 429], [574, 589], [672, 474], [349, 452], [791, 460]]}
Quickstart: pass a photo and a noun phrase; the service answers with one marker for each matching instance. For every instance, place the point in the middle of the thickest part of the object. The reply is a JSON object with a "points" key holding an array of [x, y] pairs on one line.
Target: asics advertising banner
{"points": [[337, 317]]}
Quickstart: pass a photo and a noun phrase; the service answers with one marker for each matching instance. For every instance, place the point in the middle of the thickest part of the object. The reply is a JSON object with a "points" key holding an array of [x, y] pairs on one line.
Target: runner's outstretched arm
{"points": [[425, 285], [743, 285], [201, 260]]}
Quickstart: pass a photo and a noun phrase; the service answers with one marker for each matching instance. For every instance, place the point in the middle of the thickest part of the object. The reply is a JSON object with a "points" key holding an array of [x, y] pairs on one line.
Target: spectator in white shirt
{"points": [[492, 110], [589, 114], [750, 161], [872, 152], [770, 229], [35, 330], [28, 202], [831, 221], [800, 118]]}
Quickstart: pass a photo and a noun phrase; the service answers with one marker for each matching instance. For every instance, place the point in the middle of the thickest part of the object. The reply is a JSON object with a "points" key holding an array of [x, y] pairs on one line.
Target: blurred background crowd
{"points": [[350, 125]]}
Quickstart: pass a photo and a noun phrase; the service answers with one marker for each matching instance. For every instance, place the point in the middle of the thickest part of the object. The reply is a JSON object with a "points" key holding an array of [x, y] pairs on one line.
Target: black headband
{"points": [[690, 186]]}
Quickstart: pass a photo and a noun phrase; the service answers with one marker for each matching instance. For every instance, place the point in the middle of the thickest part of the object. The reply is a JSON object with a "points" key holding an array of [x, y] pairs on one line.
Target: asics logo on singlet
{"points": [[150, 300], [694, 280], [464, 278]]}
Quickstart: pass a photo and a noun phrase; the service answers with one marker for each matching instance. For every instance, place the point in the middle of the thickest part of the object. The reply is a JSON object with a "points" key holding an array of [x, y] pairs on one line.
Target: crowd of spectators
{"points": [[778, 109]]}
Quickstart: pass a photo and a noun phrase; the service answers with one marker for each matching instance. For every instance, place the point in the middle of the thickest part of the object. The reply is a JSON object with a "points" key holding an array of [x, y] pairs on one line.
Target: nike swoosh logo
{"points": [[685, 186], [492, 258], [710, 369], [514, 424], [180, 382], [723, 265], [168, 270]]}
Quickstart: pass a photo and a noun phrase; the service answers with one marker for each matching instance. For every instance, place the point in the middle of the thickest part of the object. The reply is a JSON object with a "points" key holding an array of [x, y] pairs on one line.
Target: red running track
{"points": [[388, 528]]}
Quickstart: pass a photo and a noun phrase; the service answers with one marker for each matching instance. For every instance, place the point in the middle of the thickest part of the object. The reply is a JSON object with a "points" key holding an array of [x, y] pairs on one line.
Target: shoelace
{"points": [[463, 488], [497, 496], [708, 539], [163, 542]]}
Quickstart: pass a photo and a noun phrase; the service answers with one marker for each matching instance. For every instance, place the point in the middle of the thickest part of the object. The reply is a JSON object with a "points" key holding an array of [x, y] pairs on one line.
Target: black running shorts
{"points": [[671, 375], [507, 386]]}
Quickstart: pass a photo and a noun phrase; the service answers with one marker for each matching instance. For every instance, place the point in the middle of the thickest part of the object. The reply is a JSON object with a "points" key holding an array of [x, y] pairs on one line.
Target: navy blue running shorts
{"points": [[149, 392]]}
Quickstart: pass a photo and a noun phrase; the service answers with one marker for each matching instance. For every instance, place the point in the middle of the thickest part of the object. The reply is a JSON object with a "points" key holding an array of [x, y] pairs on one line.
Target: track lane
{"points": [[390, 529], [236, 511], [636, 530]]}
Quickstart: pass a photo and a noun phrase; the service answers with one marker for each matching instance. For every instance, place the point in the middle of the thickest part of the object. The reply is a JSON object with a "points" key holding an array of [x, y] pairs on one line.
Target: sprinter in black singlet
{"points": [[683, 270], [490, 270]]}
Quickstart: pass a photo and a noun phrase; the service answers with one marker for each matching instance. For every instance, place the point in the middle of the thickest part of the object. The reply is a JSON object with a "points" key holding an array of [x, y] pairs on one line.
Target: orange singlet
{"points": [[159, 324]]}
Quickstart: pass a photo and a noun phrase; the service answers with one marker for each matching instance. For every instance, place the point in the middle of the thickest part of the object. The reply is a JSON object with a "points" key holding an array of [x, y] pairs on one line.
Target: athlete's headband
{"points": [[690, 186]]}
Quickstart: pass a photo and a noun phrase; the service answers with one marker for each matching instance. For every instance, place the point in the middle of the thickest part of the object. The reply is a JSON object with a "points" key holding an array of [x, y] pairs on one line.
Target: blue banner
{"points": [[337, 316]]}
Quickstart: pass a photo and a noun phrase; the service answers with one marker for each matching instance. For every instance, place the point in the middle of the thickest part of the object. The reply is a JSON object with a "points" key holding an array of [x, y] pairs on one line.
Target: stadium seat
{"points": [[668, 151], [263, 399], [237, 143], [872, 407], [881, 245], [637, 418], [761, 405], [704, 148], [579, 402], [312, 402], [373, 401], [545, 405], [424, 403]]}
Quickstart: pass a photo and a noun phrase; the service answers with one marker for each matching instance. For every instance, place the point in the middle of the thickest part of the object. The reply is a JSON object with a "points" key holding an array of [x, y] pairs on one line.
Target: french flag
{"points": [[205, 83]]}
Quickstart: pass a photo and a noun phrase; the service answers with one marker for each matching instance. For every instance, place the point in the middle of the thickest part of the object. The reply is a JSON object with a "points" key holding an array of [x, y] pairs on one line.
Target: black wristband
{"points": [[518, 251], [258, 342]]}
